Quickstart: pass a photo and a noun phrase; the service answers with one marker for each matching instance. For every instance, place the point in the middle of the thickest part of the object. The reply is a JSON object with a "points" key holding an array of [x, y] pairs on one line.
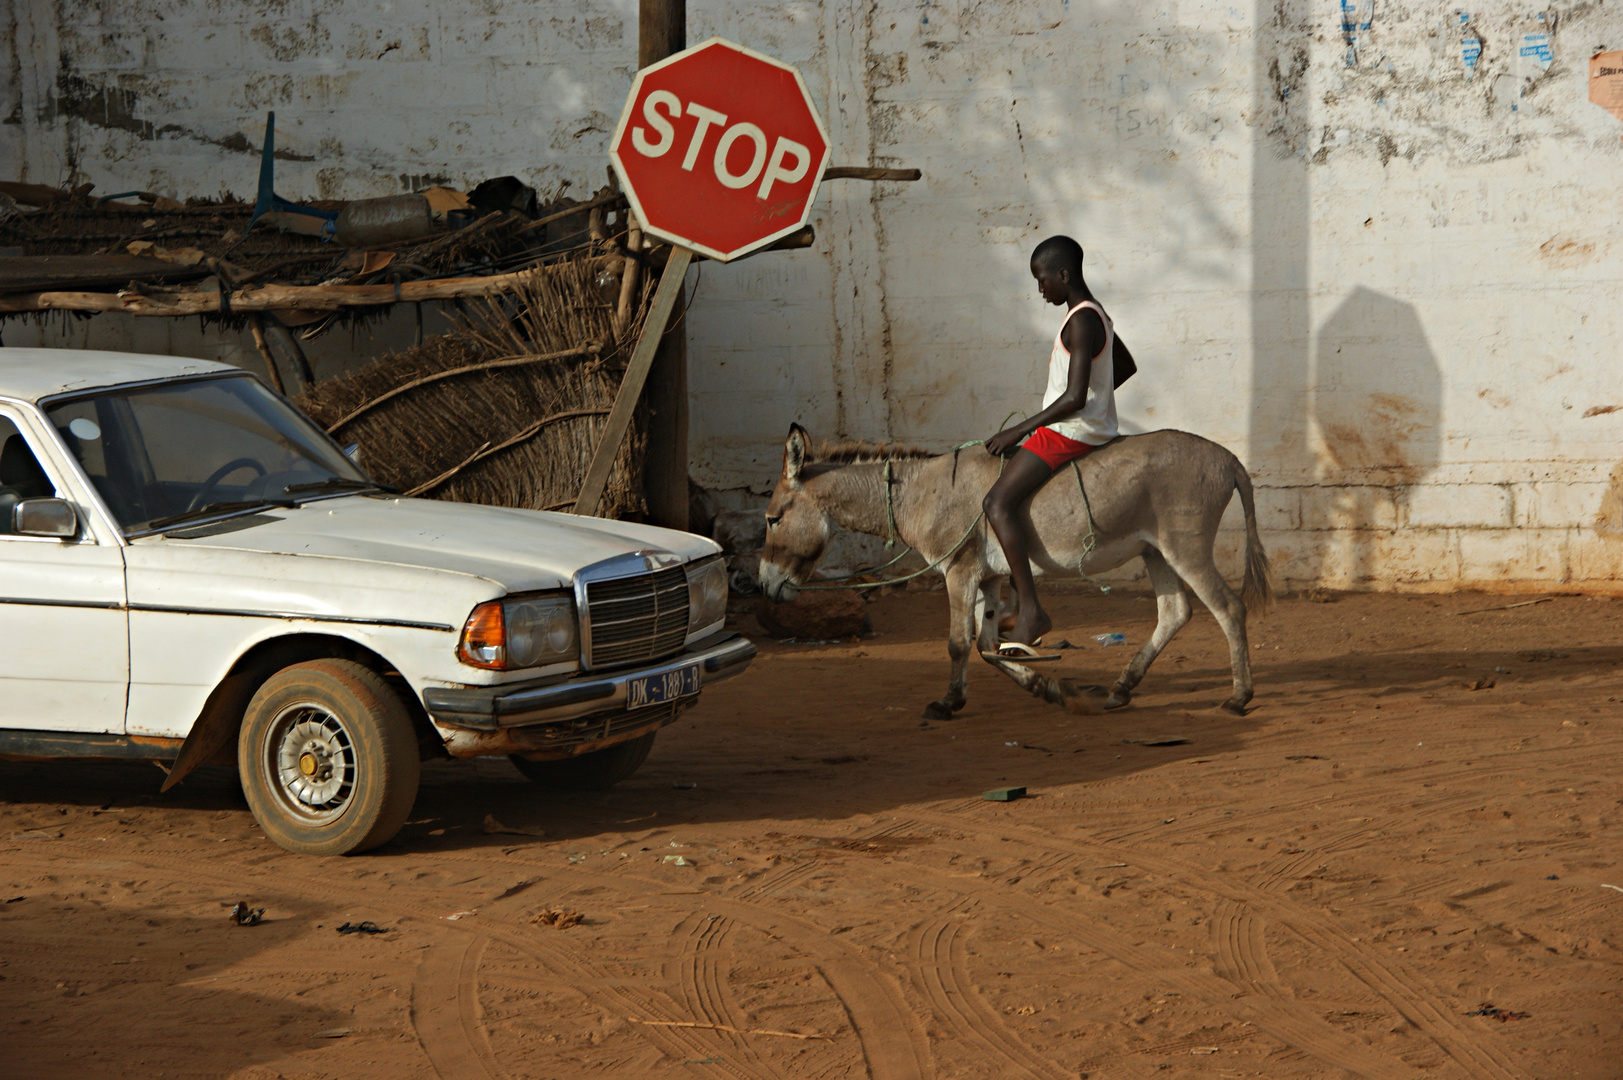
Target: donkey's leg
{"points": [[1193, 562], [963, 588], [991, 614], [1172, 613]]}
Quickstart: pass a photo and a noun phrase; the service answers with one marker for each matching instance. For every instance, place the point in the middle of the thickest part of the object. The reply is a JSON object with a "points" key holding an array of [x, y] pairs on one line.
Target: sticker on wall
{"points": [[1534, 55], [1606, 82], [1356, 17], [1470, 44]]}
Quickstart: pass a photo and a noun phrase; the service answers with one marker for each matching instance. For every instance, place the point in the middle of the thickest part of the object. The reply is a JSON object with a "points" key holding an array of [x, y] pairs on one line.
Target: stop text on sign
{"points": [[720, 149], [789, 160]]}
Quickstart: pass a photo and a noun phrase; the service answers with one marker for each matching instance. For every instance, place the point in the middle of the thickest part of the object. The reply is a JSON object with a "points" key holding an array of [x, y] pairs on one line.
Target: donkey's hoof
{"points": [[1235, 706], [941, 710], [1118, 699], [1081, 699]]}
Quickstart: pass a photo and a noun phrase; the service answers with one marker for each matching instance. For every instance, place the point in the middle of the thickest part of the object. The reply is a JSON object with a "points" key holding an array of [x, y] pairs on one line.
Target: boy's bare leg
{"points": [[1025, 474]]}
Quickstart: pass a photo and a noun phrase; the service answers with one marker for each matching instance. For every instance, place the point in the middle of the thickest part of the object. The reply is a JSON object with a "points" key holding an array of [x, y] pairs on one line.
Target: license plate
{"points": [[656, 689]]}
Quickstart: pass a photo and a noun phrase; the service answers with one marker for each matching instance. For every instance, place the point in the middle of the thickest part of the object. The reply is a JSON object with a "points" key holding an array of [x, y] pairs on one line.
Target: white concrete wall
{"points": [[1390, 289]]}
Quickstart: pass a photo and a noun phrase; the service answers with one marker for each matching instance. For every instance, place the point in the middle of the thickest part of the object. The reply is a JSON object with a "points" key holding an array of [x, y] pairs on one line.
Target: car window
{"points": [[21, 476], [162, 450]]}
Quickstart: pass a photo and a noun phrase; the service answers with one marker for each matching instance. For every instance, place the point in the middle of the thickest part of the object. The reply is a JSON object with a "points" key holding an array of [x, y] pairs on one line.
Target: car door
{"points": [[64, 630]]}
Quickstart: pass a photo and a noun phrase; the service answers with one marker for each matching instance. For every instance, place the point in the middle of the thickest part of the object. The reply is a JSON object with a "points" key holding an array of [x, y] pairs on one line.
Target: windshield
{"points": [[176, 449]]}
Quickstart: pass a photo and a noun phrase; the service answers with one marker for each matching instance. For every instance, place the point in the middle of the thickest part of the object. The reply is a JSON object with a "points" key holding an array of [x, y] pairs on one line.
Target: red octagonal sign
{"points": [[720, 149]]}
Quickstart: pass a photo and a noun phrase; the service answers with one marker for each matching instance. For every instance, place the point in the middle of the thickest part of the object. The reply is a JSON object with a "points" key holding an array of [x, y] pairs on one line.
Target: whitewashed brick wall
{"points": [[1391, 292]]}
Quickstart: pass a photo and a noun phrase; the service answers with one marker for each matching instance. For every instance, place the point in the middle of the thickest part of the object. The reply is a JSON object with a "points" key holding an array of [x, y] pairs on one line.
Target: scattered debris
{"points": [[1485, 683], [1304, 757], [558, 918], [492, 827], [514, 890], [1506, 607], [1004, 794], [16, 899], [678, 860], [455, 915], [1170, 741], [733, 1030], [243, 915], [1614, 888], [1107, 640], [1205, 1049], [332, 1033], [1539, 656], [37, 834], [366, 927], [1487, 1008]]}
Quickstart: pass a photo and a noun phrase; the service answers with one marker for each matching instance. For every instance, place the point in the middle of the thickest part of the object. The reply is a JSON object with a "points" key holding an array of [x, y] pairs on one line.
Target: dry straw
{"points": [[507, 409]]}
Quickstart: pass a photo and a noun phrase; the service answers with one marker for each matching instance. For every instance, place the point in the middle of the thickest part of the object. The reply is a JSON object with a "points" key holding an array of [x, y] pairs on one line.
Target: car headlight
{"points": [[707, 592], [520, 632]]}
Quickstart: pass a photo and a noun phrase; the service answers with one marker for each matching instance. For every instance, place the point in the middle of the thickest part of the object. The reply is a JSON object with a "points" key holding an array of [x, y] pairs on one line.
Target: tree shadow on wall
{"points": [[1376, 402]]}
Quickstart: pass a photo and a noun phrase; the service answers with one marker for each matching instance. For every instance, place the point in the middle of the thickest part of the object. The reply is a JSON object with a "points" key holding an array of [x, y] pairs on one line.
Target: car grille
{"points": [[637, 618]]}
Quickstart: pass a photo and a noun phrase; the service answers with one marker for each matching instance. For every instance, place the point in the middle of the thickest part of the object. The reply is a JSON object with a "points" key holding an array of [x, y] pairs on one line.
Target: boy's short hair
{"points": [[1060, 251]]}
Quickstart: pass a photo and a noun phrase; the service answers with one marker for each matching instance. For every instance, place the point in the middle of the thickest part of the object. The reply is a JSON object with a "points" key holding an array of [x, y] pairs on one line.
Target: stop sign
{"points": [[720, 149]]}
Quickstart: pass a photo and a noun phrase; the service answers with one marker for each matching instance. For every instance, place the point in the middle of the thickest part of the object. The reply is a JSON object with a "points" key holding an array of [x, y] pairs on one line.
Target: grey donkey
{"points": [[1157, 496]]}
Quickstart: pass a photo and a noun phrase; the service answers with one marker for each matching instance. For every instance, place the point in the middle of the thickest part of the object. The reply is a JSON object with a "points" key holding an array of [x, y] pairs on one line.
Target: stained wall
{"points": [[1383, 278]]}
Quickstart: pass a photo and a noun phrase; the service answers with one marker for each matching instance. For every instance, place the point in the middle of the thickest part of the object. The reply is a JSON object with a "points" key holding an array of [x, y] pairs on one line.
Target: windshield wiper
{"points": [[239, 506], [338, 483]]}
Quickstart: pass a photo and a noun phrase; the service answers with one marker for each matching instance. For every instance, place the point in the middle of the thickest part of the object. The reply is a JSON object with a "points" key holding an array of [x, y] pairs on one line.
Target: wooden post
{"points": [[662, 31]]}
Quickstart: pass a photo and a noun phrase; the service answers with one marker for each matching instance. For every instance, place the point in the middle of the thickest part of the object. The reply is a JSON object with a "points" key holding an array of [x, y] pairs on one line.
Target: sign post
{"points": [[720, 152]]}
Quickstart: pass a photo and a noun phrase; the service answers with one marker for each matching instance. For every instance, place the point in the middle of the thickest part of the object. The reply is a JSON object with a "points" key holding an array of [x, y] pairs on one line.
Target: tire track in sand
{"points": [[1402, 989], [940, 966], [891, 1040], [445, 1013], [706, 991]]}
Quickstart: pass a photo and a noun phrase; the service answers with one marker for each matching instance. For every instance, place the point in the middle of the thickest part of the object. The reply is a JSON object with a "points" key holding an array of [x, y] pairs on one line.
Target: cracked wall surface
{"points": [[1383, 276]]}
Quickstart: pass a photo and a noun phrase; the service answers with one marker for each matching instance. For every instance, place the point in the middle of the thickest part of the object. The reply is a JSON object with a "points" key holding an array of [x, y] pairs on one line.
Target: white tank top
{"points": [[1095, 424]]}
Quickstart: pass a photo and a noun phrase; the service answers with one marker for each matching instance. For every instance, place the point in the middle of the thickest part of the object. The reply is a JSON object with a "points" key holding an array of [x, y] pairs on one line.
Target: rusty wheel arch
{"points": [[213, 735]]}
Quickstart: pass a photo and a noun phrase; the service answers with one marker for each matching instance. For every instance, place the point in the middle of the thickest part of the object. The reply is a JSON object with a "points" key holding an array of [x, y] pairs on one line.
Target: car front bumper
{"points": [[520, 705]]}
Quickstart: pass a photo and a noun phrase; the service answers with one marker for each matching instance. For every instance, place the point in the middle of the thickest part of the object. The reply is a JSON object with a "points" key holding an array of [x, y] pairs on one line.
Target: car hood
{"points": [[518, 549]]}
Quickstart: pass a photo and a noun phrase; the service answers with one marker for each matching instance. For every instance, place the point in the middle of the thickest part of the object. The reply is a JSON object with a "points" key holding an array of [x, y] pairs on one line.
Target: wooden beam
{"points": [[867, 172], [625, 402], [271, 297]]}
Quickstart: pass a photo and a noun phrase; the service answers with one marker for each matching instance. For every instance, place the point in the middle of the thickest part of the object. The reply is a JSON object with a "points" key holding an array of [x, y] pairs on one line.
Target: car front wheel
{"points": [[328, 758]]}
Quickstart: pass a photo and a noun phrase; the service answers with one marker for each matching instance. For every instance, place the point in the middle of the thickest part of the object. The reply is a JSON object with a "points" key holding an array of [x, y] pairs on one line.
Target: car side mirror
{"points": [[45, 517], [353, 452]]}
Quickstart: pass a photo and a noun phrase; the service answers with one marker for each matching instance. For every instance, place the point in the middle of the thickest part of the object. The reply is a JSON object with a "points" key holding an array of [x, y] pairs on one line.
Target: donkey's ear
{"points": [[795, 449]]}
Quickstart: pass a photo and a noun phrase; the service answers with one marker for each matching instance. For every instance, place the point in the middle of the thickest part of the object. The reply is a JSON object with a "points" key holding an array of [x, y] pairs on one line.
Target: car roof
{"points": [[33, 374]]}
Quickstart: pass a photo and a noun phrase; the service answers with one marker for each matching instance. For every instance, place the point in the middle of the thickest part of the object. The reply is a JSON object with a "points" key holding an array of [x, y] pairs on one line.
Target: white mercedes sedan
{"points": [[191, 570]]}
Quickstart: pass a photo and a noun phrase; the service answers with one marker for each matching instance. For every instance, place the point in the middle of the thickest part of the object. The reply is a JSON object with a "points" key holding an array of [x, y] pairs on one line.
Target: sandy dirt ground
{"points": [[1403, 863]]}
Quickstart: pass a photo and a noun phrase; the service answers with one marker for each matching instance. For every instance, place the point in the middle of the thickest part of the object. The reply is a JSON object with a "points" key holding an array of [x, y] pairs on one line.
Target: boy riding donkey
{"points": [[1078, 415]]}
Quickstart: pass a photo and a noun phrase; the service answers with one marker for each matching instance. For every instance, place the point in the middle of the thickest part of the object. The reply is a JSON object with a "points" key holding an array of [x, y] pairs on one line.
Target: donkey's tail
{"points": [[1257, 593]]}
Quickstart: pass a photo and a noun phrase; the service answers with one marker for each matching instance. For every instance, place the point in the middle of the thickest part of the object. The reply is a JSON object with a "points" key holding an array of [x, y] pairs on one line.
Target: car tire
{"points": [[328, 758], [596, 771]]}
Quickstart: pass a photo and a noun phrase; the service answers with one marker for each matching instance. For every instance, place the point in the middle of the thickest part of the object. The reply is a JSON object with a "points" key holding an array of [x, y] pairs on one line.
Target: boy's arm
{"points": [[1084, 338]]}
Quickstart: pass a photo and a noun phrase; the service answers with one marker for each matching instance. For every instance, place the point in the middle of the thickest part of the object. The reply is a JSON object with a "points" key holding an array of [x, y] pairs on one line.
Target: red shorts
{"points": [[1055, 449]]}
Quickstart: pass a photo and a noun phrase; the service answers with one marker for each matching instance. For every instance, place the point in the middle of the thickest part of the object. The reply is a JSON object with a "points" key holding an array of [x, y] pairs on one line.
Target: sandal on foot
{"points": [[1018, 651]]}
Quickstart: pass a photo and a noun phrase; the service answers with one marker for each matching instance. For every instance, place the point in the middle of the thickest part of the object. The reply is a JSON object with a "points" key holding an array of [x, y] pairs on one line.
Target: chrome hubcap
{"points": [[311, 761]]}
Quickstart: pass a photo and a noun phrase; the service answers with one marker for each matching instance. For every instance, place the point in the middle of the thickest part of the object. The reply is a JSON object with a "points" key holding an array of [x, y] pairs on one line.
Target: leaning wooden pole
{"points": [[661, 32], [631, 387]]}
